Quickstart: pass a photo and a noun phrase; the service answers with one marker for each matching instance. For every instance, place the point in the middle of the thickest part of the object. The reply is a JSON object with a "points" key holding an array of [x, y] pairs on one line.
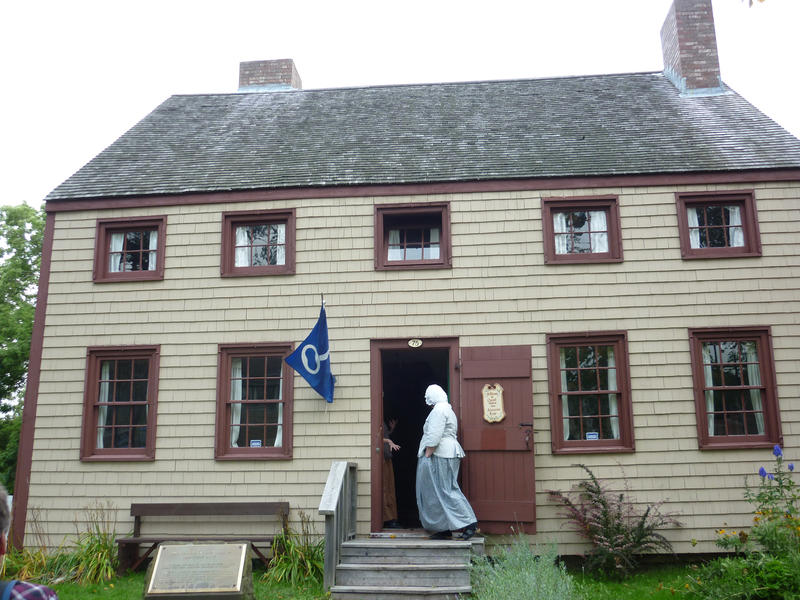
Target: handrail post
{"points": [[338, 504]]}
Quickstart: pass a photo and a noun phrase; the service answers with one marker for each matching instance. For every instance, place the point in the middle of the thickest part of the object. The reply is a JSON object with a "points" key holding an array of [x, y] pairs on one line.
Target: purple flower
{"points": [[771, 477], [791, 466], [762, 472], [777, 451]]}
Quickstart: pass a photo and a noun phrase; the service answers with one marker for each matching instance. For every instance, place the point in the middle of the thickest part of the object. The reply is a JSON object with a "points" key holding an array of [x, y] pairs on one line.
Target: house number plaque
{"points": [[493, 409]]}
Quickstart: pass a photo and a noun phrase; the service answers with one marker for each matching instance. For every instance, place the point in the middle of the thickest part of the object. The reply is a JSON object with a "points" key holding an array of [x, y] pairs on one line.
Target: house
{"points": [[611, 260]]}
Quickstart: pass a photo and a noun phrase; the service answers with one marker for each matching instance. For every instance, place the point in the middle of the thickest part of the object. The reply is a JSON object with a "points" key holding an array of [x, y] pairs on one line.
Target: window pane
{"points": [[589, 380], [274, 366], [123, 391], [140, 391], [569, 357], [139, 437], [731, 375], [124, 369], [140, 368], [122, 415], [581, 243]]}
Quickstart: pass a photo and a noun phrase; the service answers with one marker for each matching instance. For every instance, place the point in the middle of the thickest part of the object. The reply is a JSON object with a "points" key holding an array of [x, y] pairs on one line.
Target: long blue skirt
{"points": [[441, 503]]}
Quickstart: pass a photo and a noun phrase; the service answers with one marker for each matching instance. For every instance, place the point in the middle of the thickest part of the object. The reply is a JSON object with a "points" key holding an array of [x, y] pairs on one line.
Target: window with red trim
{"points": [[120, 403], [718, 225], [254, 406], [258, 243], [579, 230], [734, 387], [412, 236], [590, 406], [129, 249]]}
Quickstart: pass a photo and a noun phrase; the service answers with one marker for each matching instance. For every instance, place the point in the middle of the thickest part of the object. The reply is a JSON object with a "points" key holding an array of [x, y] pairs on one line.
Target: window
{"points": [[129, 249], [254, 406], [734, 387], [716, 225], [412, 236], [590, 406], [120, 403], [581, 230], [258, 243]]}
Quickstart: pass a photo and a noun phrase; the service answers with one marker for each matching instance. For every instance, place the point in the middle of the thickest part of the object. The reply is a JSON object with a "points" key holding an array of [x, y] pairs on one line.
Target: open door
{"points": [[401, 370], [497, 435]]}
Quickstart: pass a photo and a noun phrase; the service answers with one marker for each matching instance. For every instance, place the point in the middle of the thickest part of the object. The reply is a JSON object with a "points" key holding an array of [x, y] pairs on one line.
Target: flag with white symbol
{"points": [[312, 359]]}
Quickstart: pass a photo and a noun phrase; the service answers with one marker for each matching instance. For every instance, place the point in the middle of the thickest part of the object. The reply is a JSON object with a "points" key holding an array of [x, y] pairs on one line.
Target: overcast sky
{"points": [[76, 74]]}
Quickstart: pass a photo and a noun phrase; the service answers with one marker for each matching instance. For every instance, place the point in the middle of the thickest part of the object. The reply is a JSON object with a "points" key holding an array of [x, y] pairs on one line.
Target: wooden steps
{"points": [[404, 567]]}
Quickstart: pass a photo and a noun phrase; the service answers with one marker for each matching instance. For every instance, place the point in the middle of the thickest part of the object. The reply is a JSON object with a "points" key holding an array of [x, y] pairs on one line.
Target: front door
{"points": [[497, 435], [401, 370]]}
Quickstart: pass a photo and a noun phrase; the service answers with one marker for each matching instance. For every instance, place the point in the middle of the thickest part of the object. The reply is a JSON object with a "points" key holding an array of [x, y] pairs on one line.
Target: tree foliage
{"points": [[21, 232]]}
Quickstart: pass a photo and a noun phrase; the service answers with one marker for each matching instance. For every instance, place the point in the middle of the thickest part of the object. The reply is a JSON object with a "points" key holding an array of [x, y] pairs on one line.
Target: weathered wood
{"points": [[128, 547]]}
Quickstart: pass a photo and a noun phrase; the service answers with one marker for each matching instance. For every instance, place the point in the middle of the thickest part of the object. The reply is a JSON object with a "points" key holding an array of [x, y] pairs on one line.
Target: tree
{"points": [[21, 232]]}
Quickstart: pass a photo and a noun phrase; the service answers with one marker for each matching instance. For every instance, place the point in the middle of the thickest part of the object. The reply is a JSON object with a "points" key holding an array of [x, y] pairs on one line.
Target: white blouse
{"points": [[439, 431]]}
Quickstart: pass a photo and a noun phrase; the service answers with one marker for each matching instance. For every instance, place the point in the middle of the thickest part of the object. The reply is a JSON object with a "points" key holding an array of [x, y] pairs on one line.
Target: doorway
{"points": [[400, 375]]}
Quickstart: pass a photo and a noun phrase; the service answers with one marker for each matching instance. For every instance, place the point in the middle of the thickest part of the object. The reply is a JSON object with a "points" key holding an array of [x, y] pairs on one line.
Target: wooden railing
{"points": [[338, 504]]}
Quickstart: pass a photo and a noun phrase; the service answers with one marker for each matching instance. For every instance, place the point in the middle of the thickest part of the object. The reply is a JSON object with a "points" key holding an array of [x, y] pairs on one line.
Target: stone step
{"points": [[424, 574], [382, 551], [363, 592]]}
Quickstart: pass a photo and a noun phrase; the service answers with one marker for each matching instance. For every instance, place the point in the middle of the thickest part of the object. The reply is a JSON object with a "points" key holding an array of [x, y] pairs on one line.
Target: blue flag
{"points": [[312, 359]]}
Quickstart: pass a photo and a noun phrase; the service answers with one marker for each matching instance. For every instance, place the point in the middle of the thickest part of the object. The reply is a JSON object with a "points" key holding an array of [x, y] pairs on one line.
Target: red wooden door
{"points": [[498, 474]]}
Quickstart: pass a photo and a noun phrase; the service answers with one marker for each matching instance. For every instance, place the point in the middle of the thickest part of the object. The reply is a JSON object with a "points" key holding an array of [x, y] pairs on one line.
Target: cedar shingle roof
{"points": [[561, 127]]}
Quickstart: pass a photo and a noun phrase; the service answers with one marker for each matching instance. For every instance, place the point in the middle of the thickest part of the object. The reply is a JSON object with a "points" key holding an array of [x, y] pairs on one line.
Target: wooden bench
{"points": [[129, 546]]}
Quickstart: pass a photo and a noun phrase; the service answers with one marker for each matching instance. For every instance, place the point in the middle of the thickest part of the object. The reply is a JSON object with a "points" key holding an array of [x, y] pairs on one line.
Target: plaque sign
{"points": [[493, 409], [198, 570]]}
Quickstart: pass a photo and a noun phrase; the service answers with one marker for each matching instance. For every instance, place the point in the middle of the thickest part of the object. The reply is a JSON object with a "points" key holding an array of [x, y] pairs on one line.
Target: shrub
{"points": [[93, 558], [297, 557], [767, 561], [95, 550], [520, 572], [618, 532]]}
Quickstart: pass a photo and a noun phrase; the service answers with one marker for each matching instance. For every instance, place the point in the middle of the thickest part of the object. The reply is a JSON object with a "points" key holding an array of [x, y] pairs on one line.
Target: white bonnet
{"points": [[435, 394]]}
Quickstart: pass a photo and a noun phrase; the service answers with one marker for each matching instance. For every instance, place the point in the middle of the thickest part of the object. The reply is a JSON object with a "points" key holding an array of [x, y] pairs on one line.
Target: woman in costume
{"points": [[442, 506]]}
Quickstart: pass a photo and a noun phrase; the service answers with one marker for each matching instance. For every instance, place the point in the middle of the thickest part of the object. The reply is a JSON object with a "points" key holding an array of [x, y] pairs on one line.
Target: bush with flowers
{"points": [[766, 563]]}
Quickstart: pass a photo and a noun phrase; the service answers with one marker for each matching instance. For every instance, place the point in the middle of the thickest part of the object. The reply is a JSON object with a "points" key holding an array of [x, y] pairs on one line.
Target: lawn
{"points": [[131, 587], [654, 583], [658, 583]]}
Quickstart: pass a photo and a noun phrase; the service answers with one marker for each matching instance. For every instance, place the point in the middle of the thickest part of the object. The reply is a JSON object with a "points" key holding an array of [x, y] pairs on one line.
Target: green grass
{"points": [[131, 587], [655, 583]]}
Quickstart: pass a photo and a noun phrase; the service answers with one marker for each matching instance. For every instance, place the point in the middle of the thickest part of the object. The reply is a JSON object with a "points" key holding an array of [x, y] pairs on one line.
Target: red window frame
{"points": [[102, 248], [118, 385], [731, 394], [608, 204], [617, 340], [232, 220], [410, 217], [223, 447], [745, 200]]}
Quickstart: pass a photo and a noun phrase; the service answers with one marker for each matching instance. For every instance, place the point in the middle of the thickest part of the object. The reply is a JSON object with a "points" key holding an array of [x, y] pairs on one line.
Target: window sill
{"points": [[118, 458]]}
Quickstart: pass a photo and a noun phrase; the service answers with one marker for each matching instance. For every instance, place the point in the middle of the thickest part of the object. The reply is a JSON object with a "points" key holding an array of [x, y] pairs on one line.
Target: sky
{"points": [[77, 74]]}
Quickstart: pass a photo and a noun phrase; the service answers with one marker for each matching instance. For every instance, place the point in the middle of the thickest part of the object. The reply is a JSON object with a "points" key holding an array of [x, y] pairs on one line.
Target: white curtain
{"points": [[395, 251], [280, 230], [236, 400], [561, 234], [102, 411], [432, 251], [116, 257], [736, 231], [564, 397], [694, 227], [750, 355], [242, 256], [598, 222], [613, 408], [153, 247], [279, 434], [707, 374]]}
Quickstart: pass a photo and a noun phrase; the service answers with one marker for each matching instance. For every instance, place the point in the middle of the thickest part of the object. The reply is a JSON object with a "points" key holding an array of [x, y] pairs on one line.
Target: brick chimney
{"points": [[269, 76], [689, 45]]}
